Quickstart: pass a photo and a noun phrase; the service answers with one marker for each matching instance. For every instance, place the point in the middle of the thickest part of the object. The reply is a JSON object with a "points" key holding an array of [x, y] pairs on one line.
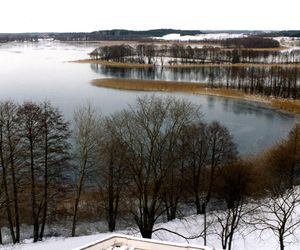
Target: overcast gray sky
{"points": [[91, 15]]}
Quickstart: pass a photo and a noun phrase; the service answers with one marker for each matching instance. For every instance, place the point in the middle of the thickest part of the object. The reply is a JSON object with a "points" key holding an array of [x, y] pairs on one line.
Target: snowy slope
{"points": [[189, 226]]}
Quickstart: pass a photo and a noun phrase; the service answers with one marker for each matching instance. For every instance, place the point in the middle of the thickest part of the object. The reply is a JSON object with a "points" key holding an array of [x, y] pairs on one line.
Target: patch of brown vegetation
{"points": [[287, 104], [195, 88], [148, 85], [115, 64]]}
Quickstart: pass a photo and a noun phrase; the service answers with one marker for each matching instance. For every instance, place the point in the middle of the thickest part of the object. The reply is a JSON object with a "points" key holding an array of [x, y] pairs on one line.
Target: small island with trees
{"points": [[251, 67]]}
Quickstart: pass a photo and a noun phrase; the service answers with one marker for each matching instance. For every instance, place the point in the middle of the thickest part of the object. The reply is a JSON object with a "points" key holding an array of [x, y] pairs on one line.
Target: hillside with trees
{"points": [[154, 161]]}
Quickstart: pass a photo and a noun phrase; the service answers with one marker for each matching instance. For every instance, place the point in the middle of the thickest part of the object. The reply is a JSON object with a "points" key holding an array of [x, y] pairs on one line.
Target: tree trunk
{"points": [[5, 186], [45, 210], [204, 224], [7, 203], [146, 233], [75, 214], [16, 205], [171, 207], [16, 202], [111, 197], [199, 206], [173, 212], [78, 193], [230, 240], [36, 229], [41, 235], [111, 223], [111, 214], [35, 220], [14, 183], [281, 242]]}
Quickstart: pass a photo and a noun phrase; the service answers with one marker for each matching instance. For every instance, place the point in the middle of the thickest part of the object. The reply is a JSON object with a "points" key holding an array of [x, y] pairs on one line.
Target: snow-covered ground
{"points": [[56, 243], [288, 41], [293, 43], [189, 226], [200, 37]]}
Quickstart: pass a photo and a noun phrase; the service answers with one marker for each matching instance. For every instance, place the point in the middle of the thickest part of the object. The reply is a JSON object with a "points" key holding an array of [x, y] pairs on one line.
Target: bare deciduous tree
{"points": [[221, 151], [54, 163], [9, 146], [277, 214], [151, 130], [86, 122], [30, 131], [233, 190], [113, 174], [44, 152], [197, 160]]}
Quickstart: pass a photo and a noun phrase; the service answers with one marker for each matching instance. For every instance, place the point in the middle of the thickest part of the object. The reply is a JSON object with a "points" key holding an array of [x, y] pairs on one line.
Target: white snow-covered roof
{"points": [[125, 242]]}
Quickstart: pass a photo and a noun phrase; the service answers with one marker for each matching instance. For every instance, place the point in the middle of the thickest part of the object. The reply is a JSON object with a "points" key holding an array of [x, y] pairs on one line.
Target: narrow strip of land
{"points": [[187, 65], [115, 64], [237, 65], [195, 88]]}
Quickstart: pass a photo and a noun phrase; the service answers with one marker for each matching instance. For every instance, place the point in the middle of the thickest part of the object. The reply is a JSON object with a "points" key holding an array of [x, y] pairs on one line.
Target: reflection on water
{"points": [[242, 77], [159, 73], [216, 75], [211, 102], [41, 71]]}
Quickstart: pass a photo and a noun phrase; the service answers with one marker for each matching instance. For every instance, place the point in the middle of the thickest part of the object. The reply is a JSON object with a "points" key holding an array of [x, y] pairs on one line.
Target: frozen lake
{"points": [[42, 71]]}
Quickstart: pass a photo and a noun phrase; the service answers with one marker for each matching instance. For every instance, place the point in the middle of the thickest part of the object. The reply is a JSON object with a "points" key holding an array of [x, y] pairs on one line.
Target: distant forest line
{"points": [[116, 34], [121, 34]]}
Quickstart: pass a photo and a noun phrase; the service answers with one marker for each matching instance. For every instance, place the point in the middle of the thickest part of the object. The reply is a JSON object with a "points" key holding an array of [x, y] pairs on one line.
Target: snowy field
{"points": [[293, 43], [200, 37], [189, 226]]}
